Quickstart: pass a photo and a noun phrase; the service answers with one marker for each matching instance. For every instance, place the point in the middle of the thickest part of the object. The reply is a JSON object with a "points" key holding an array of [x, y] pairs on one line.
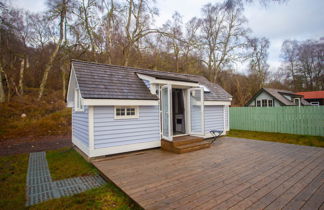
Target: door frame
{"points": [[202, 118], [169, 95]]}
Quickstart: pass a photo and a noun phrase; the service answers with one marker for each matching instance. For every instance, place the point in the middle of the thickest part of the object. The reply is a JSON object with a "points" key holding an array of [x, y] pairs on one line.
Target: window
{"points": [[297, 101], [258, 103], [270, 103], [264, 103], [78, 104], [315, 103], [125, 112]]}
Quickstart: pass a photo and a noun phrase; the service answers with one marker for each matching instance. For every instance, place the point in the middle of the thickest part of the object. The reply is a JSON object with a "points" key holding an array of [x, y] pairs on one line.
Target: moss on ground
{"points": [[317, 141]]}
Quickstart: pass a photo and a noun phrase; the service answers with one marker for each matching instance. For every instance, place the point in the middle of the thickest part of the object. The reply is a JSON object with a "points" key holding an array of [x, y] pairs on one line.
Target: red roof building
{"points": [[315, 98]]}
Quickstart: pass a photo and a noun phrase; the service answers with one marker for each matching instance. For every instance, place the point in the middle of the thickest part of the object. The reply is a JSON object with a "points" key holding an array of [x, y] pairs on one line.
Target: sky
{"points": [[294, 19]]}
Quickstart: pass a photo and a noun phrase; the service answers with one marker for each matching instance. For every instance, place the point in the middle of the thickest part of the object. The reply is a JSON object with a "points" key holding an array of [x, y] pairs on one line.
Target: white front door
{"points": [[166, 112], [196, 110]]}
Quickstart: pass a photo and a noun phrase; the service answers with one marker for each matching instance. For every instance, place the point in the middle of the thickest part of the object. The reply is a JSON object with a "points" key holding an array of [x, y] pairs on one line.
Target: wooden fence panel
{"points": [[304, 120]]}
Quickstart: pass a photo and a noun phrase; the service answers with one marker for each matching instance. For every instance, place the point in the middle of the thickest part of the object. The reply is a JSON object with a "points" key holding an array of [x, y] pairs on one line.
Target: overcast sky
{"points": [[295, 19]]}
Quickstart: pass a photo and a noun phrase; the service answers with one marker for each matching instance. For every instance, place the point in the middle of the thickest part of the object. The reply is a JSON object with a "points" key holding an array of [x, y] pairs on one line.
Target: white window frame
{"points": [[256, 103], [271, 103], [78, 102], [126, 116], [314, 103], [298, 99], [266, 104]]}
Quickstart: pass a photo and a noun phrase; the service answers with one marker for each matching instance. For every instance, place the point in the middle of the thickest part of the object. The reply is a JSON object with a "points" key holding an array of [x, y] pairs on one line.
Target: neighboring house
{"points": [[315, 98], [269, 97], [120, 109]]}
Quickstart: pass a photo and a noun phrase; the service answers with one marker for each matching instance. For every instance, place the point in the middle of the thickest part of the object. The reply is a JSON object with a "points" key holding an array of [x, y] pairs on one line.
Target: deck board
{"points": [[233, 173]]}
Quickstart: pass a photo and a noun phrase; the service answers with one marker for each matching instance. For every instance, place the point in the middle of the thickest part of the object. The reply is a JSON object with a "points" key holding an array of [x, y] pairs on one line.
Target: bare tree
{"points": [[138, 15], [2, 93], [174, 40], [59, 9], [191, 43], [109, 27], [259, 56], [303, 64], [311, 56], [289, 54], [222, 33], [88, 20]]}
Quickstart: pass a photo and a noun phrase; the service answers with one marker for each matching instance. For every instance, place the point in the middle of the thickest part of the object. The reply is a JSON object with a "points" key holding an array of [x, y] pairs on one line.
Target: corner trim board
{"points": [[91, 127], [80, 145]]}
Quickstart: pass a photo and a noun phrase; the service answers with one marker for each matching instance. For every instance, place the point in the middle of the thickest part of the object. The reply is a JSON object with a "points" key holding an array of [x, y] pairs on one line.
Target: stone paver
{"points": [[40, 186]]}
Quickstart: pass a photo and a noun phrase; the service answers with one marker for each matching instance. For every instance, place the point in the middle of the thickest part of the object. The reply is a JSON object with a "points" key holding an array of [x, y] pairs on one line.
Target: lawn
{"points": [[63, 163], [317, 141]]}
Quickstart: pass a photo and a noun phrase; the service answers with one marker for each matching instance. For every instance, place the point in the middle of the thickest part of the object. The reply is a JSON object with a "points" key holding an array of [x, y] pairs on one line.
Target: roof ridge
{"points": [[134, 68]]}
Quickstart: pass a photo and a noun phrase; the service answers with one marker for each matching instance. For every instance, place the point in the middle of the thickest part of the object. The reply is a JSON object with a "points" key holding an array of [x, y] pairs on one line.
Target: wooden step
{"points": [[192, 147], [184, 144], [183, 140]]}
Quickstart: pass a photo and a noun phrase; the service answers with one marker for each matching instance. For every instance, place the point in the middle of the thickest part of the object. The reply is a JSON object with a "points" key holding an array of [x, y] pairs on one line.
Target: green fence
{"points": [[305, 120]]}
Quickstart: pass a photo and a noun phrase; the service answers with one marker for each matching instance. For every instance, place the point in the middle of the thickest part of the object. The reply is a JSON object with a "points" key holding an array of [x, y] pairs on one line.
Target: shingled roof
{"points": [[103, 81], [279, 95]]}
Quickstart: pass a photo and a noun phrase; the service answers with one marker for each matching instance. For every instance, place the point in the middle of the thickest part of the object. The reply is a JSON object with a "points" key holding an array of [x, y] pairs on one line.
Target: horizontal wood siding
{"points": [[80, 126], [214, 118], [110, 132]]}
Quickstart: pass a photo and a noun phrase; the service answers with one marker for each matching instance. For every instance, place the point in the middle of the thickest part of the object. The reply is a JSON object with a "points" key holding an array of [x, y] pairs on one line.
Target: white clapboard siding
{"points": [[80, 126], [109, 131], [214, 118]]}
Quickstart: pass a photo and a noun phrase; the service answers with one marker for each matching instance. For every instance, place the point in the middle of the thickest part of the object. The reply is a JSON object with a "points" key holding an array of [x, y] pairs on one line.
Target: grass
{"points": [[105, 197], [12, 181], [63, 163], [317, 141]]}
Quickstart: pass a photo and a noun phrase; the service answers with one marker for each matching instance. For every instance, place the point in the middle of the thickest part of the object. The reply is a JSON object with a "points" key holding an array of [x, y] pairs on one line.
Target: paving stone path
{"points": [[41, 187]]}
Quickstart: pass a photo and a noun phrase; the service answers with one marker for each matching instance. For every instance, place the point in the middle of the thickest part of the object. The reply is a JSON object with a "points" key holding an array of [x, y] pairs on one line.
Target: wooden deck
{"points": [[233, 173]]}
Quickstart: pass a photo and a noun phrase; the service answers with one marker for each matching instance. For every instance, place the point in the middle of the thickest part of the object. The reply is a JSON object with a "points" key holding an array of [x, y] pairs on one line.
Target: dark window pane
{"points": [[258, 103], [264, 102]]}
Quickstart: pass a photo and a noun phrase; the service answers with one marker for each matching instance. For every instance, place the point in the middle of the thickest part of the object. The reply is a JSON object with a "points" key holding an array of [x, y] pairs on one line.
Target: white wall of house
{"points": [[110, 132], [215, 118], [80, 129]]}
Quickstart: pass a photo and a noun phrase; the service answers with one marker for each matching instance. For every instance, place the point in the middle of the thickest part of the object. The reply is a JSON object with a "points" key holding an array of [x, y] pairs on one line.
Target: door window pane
{"points": [[165, 111], [196, 111]]}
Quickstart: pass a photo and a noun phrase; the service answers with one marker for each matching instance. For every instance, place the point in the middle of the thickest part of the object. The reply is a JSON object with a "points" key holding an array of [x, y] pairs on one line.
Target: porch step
{"points": [[183, 140], [193, 147], [184, 144]]}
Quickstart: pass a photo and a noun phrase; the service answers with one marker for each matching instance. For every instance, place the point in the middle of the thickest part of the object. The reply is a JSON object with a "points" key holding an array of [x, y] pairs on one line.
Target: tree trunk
{"points": [[63, 83], [21, 77], [56, 50], [2, 93], [126, 56], [46, 71], [7, 82]]}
